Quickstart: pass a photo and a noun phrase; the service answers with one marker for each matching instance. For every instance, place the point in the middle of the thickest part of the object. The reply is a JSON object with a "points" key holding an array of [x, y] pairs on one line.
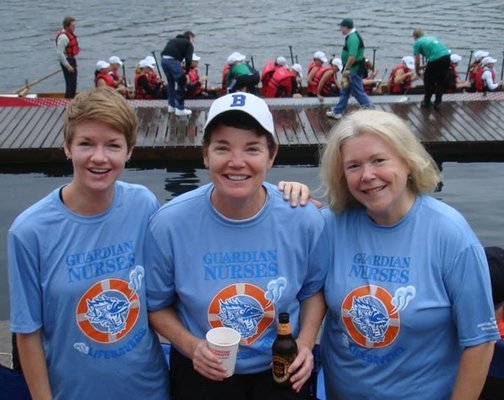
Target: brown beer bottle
{"points": [[284, 350]]}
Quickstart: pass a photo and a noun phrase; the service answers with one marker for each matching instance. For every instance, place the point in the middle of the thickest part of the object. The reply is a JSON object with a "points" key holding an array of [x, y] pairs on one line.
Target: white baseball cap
{"points": [[247, 103], [195, 57], [488, 60], [320, 55], [281, 60], [298, 68], [235, 57], [455, 58], [409, 61], [338, 63], [480, 54], [115, 60], [101, 65], [145, 64]]}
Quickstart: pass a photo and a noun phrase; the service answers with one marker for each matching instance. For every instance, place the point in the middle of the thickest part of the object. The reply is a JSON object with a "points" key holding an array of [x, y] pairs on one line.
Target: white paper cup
{"points": [[223, 342]]}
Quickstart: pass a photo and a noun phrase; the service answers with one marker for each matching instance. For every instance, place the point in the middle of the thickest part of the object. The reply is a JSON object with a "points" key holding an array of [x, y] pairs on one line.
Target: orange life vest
{"points": [[280, 84], [397, 88], [479, 83], [312, 87], [106, 77], [72, 48], [326, 89]]}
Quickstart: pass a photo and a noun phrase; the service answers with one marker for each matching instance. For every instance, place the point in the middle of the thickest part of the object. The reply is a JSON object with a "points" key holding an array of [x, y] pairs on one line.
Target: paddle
{"points": [[123, 60], [23, 91], [291, 54], [206, 73], [157, 65], [469, 65], [502, 67]]}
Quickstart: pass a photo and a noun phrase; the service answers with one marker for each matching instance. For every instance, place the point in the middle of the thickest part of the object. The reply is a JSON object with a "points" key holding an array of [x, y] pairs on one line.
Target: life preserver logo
{"points": [[108, 310], [243, 307], [370, 316]]}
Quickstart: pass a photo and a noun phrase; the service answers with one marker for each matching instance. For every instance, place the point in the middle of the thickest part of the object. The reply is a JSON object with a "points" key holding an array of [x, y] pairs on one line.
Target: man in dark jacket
{"points": [[176, 50]]}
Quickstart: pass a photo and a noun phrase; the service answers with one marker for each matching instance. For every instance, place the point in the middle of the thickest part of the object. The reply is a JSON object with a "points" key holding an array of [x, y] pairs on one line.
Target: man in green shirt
{"points": [[354, 69], [438, 64]]}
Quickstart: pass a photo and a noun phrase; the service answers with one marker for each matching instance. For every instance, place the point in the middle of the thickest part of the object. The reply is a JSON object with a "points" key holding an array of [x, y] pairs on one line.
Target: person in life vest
{"points": [[369, 78], [319, 59], [285, 82], [116, 63], [194, 88], [146, 88], [485, 79], [401, 77], [475, 66], [103, 78], [327, 81], [268, 71], [67, 49], [453, 82], [241, 77]]}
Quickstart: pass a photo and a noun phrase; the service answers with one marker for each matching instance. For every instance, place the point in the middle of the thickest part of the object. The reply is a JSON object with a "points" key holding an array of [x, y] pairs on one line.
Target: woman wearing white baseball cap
{"points": [[245, 257]]}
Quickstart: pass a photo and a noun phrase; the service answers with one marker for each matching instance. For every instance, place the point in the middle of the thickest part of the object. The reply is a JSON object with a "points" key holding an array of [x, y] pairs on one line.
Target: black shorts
{"points": [[187, 384]]}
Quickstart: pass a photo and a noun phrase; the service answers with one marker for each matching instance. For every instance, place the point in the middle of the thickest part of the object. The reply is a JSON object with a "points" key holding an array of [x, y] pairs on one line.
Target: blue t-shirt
{"points": [[404, 300], [82, 281], [241, 274]]}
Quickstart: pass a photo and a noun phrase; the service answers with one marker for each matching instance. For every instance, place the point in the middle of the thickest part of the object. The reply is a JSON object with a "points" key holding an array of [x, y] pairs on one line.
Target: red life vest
{"points": [[106, 77], [225, 72], [326, 89], [72, 48], [312, 88], [140, 92], [194, 80], [479, 83], [280, 84], [267, 73], [397, 88]]}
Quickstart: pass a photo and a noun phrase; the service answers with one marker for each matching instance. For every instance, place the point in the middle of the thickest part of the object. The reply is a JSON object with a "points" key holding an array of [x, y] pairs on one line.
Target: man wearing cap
{"points": [[248, 257], [438, 63], [67, 49], [485, 79], [354, 69], [177, 50], [401, 77]]}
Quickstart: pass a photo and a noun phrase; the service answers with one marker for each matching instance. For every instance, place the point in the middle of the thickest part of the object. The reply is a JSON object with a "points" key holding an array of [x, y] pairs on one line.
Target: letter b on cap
{"points": [[238, 100]]}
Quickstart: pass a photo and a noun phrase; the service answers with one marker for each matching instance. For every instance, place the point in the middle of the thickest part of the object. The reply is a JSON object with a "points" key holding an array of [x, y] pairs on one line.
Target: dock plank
{"points": [[468, 130]]}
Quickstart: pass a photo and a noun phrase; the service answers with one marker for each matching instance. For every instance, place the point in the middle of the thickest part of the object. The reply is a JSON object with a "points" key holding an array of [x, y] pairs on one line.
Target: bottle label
{"points": [[284, 329], [280, 368]]}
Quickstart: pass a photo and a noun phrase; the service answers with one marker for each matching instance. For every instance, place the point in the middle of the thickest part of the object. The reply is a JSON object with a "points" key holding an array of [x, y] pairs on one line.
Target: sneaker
{"points": [[183, 113], [425, 104], [333, 115], [171, 109], [437, 106]]}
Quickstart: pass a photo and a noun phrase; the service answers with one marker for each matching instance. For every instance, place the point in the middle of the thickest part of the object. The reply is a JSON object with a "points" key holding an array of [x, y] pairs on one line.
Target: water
{"points": [[262, 29]]}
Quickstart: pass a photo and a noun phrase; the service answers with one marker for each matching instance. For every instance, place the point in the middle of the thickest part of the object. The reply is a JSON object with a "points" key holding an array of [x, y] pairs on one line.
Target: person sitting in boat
{"points": [[319, 59], [401, 77], [453, 82], [285, 82], [476, 67], [145, 87], [194, 88], [241, 77], [326, 80], [369, 80], [485, 79], [103, 78], [268, 71], [116, 63]]}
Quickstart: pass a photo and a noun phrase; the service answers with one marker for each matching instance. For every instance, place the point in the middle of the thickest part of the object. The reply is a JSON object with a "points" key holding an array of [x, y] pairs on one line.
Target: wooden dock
{"points": [[467, 129]]}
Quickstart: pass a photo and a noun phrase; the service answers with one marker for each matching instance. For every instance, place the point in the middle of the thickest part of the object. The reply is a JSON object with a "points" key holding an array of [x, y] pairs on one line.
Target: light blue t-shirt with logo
{"points": [[221, 272], [404, 301], [81, 280]]}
